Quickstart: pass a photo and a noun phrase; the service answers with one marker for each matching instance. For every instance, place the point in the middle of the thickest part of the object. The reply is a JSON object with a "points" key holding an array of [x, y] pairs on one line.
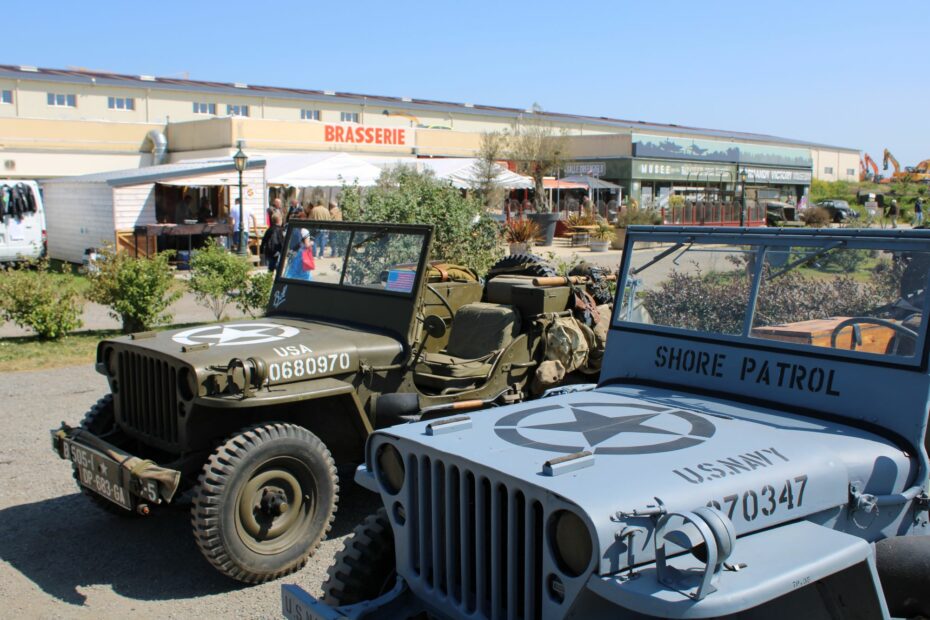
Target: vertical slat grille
{"points": [[474, 542], [147, 400]]}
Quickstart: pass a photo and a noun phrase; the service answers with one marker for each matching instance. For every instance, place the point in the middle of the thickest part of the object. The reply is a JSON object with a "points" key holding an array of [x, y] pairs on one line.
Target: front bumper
{"points": [[297, 604], [126, 480]]}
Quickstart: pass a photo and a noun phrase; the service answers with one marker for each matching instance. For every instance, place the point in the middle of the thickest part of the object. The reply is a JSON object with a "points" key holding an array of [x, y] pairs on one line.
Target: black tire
{"points": [[365, 567], [256, 472], [597, 285], [100, 420], [521, 265]]}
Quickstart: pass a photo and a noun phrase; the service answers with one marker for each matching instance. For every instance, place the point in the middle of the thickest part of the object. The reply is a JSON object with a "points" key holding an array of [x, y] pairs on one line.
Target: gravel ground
{"points": [[60, 557]]}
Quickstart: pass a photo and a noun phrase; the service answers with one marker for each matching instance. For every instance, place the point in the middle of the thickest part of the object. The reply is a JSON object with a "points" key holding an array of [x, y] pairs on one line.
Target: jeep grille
{"points": [[474, 541], [147, 400]]}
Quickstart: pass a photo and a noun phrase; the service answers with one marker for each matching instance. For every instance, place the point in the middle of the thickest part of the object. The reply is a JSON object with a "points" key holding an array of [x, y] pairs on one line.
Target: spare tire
{"points": [[521, 265]]}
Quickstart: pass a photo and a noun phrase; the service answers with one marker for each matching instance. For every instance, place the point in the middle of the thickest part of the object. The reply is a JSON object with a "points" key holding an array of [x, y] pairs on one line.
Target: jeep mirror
{"points": [[434, 326]]}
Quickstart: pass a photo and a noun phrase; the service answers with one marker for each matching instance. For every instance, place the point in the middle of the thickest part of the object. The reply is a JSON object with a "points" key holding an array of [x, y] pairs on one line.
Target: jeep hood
{"points": [[323, 348], [651, 446]]}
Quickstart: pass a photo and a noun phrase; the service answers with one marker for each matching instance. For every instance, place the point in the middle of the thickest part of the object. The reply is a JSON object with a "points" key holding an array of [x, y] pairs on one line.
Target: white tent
{"points": [[462, 172], [321, 170]]}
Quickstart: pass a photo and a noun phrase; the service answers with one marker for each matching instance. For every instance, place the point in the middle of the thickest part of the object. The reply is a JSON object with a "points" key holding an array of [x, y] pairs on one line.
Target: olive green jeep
{"points": [[247, 419]]}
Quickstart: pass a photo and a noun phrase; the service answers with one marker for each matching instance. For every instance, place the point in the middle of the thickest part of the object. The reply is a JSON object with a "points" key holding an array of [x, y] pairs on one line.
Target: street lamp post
{"points": [[742, 207], [241, 159]]}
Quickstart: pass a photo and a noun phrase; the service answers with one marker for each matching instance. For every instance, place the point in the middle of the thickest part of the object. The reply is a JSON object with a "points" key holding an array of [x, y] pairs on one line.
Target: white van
{"points": [[22, 221]]}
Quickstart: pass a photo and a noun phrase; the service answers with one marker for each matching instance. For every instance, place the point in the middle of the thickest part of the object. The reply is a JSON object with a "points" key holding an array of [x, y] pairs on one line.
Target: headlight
{"points": [[390, 468], [109, 361], [187, 383], [571, 543]]}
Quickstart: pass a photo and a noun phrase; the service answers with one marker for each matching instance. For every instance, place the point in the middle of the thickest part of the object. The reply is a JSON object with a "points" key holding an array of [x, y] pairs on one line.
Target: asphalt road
{"points": [[61, 557]]}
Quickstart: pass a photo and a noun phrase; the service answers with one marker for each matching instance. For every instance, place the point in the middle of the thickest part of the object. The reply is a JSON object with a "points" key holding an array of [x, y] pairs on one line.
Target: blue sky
{"points": [[844, 73]]}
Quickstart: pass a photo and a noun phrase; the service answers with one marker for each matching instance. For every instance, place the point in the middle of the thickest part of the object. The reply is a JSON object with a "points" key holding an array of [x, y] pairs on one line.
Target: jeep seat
{"points": [[479, 333]]}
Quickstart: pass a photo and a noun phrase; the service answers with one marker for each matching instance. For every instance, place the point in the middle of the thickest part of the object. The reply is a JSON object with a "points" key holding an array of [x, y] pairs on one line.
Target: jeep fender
{"points": [[328, 407]]}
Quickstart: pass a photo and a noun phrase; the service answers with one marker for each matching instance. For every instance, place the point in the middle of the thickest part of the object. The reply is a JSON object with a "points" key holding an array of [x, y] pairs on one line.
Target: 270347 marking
{"points": [[766, 501]]}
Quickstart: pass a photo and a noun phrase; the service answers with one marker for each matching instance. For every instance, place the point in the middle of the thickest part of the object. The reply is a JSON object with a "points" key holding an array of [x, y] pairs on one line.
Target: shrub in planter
{"points": [[138, 290], [33, 299], [217, 276], [520, 232]]}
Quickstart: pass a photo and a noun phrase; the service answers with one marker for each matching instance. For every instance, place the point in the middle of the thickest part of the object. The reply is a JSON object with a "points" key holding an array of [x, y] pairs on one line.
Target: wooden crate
{"points": [[875, 338]]}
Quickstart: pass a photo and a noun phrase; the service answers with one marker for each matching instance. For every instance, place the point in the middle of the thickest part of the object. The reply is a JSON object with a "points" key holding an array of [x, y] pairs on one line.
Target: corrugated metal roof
{"points": [[153, 174], [83, 76]]}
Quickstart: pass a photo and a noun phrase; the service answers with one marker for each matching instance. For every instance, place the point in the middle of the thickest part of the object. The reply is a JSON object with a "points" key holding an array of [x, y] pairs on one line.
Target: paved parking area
{"points": [[61, 557]]}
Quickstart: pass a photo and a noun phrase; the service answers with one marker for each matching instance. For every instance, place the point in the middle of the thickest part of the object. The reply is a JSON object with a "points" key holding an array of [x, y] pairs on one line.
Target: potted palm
{"points": [[601, 237], [520, 234]]}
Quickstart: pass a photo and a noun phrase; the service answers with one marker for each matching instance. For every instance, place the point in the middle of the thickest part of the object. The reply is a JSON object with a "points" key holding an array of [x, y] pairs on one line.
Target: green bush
{"points": [[816, 217], [138, 290], [34, 299], [463, 233], [217, 276], [254, 297]]}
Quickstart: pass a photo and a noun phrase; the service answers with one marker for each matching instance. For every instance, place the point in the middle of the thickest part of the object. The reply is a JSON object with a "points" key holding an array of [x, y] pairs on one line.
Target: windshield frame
{"points": [[292, 226], [903, 241]]}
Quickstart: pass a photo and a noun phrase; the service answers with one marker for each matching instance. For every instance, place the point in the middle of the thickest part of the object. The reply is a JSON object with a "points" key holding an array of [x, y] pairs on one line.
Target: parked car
{"points": [[839, 210], [759, 453], [22, 221], [250, 417]]}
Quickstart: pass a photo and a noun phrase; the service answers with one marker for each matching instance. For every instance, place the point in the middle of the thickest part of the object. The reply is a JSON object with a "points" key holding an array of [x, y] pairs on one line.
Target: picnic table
{"points": [[581, 235]]}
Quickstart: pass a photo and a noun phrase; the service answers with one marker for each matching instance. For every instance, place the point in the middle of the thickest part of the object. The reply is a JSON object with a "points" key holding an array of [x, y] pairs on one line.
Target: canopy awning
{"points": [[591, 182], [462, 172], [322, 170], [562, 184]]}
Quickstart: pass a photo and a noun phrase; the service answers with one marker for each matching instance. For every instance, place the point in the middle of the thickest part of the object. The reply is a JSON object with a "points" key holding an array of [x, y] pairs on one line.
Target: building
{"points": [[69, 122]]}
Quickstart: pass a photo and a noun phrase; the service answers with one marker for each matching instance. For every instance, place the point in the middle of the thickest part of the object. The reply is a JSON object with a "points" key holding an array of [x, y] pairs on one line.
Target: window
{"points": [[6, 96], [204, 108], [309, 115], [121, 103], [828, 169], [348, 117], [237, 110], [62, 101], [850, 172]]}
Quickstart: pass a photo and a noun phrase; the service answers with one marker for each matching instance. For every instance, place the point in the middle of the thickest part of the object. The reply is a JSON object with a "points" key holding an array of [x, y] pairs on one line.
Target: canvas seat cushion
{"points": [[481, 328]]}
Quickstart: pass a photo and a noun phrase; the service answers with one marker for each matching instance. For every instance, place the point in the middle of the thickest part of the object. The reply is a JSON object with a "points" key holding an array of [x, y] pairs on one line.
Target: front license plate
{"points": [[98, 473], [296, 604]]}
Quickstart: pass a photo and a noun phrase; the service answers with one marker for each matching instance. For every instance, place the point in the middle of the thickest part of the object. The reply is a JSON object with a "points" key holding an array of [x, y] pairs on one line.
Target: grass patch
{"points": [[30, 353]]}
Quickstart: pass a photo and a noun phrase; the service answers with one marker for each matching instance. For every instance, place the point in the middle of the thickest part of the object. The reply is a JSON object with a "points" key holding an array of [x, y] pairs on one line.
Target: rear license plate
{"points": [[98, 473]]}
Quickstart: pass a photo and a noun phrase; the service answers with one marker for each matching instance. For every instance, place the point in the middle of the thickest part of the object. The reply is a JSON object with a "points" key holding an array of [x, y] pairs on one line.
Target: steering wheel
{"points": [[857, 336], [444, 302]]}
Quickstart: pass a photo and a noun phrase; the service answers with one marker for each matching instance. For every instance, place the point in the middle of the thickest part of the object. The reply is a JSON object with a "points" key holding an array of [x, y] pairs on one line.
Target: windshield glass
{"points": [[846, 295], [378, 259]]}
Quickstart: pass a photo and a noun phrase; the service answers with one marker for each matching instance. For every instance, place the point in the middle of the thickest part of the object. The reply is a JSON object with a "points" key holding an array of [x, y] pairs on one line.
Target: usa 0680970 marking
{"points": [[308, 366]]}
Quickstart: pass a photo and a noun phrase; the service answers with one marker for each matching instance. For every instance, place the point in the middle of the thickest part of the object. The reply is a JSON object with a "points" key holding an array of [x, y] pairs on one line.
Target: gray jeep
{"points": [[756, 448]]}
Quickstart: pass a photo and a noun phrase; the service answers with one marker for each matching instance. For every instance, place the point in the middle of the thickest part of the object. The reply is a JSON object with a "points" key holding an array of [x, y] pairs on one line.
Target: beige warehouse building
{"points": [[57, 123]]}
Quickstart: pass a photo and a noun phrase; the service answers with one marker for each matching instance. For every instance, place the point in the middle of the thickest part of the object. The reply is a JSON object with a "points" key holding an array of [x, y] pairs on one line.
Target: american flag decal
{"points": [[401, 281]]}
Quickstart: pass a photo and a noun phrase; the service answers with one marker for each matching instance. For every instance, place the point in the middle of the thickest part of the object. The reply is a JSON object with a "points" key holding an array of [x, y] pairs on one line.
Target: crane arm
{"points": [[894, 162], [870, 163]]}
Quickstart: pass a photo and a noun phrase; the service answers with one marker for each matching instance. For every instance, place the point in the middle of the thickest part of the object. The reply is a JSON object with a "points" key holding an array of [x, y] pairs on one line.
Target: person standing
{"points": [[335, 238], [301, 264], [893, 213], [293, 209], [918, 212], [320, 214], [273, 242]]}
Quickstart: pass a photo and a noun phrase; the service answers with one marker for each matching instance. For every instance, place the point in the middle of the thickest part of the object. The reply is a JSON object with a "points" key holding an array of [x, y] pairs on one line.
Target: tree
{"points": [[538, 149], [486, 169], [463, 233], [217, 276]]}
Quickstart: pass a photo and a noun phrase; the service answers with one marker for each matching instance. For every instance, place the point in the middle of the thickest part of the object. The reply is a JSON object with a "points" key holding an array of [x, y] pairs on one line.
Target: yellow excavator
{"points": [[919, 173]]}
